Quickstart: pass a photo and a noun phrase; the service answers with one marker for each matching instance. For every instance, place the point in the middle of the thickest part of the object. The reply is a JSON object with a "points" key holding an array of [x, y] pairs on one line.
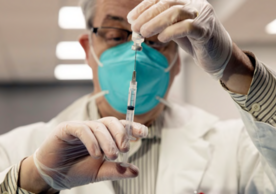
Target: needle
{"points": [[135, 61]]}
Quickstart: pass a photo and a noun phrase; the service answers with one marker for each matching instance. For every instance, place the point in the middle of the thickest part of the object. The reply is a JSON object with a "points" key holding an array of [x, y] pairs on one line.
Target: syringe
{"points": [[130, 113], [138, 40]]}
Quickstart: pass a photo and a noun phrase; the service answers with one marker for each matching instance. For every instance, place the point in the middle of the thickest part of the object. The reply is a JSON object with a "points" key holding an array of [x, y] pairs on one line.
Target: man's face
{"points": [[113, 13]]}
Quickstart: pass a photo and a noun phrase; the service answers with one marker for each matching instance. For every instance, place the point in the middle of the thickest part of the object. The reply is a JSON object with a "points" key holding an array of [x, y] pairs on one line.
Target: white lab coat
{"points": [[196, 149]]}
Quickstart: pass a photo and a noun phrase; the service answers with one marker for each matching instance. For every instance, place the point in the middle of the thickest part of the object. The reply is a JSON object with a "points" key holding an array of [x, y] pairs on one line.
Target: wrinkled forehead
{"points": [[113, 11]]}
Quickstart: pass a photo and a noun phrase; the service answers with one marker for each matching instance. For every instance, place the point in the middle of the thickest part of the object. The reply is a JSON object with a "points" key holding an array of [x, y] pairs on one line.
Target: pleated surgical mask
{"points": [[115, 69]]}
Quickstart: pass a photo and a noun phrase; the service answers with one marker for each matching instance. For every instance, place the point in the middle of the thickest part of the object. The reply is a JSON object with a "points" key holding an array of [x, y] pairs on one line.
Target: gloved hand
{"points": [[73, 155], [192, 24]]}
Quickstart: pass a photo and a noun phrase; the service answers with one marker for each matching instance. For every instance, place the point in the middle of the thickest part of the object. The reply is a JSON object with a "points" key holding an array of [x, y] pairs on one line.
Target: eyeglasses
{"points": [[112, 36]]}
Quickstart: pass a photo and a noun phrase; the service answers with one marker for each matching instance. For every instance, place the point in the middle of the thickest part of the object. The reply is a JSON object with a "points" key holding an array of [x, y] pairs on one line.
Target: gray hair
{"points": [[88, 10]]}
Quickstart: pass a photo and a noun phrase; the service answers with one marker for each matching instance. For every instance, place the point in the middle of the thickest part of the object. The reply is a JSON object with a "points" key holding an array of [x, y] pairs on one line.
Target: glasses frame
{"points": [[95, 30]]}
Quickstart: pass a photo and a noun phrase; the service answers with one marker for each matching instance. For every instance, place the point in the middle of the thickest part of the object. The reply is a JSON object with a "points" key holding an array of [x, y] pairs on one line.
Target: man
{"points": [[185, 150]]}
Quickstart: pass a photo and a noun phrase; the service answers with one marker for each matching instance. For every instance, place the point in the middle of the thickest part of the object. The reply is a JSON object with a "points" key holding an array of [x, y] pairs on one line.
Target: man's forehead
{"points": [[114, 10], [132, 3]]}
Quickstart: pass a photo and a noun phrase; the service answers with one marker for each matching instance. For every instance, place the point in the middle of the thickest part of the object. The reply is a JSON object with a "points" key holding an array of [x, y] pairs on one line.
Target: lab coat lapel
{"points": [[184, 154]]}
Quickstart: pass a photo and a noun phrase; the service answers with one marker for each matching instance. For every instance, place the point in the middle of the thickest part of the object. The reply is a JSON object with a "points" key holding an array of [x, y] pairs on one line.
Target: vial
{"points": [[137, 39]]}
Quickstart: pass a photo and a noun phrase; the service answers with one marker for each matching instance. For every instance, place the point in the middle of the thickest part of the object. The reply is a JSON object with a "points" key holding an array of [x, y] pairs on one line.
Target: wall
{"points": [[25, 104], [201, 90]]}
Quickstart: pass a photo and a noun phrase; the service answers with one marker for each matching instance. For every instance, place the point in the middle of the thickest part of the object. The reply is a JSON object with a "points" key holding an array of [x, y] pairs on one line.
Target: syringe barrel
{"points": [[132, 95], [131, 107], [129, 119]]}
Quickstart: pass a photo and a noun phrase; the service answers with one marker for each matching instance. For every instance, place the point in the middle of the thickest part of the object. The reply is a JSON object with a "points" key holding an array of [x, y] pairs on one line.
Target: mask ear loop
{"points": [[163, 101], [173, 63], [101, 93], [93, 52]]}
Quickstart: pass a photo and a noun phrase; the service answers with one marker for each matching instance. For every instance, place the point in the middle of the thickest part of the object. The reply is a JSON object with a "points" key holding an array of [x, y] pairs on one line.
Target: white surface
{"points": [[70, 50], [71, 18], [73, 72], [271, 27]]}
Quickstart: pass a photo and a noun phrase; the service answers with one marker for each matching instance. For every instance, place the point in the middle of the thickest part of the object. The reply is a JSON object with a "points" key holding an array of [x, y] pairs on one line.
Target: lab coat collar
{"points": [[196, 121]]}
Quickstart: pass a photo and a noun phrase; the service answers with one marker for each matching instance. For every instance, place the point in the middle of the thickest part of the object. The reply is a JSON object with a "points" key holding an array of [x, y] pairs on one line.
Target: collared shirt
{"points": [[10, 183]]}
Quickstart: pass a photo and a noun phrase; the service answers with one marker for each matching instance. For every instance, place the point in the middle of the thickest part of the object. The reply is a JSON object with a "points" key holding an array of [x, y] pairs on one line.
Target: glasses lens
{"points": [[113, 36]]}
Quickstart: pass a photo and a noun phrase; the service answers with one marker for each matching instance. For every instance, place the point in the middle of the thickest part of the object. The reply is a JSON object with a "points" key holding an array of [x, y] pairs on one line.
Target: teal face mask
{"points": [[116, 71]]}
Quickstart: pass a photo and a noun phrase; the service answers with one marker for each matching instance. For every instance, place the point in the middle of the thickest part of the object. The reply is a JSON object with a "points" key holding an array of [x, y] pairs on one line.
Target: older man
{"points": [[185, 150]]}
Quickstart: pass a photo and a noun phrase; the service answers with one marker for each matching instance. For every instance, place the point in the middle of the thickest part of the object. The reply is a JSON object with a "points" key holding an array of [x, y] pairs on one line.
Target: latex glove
{"points": [[192, 24], [73, 155]]}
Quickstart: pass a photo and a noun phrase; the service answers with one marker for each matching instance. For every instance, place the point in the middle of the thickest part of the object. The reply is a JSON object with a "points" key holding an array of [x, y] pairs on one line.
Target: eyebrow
{"points": [[115, 18]]}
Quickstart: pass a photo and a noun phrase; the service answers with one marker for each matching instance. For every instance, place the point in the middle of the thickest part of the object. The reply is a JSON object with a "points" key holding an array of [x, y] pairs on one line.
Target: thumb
{"points": [[114, 171]]}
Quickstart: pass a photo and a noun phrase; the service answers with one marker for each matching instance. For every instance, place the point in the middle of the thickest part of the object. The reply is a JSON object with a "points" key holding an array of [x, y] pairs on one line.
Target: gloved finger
{"points": [[182, 29], [114, 171], [72, 130], [167, 18], [151, 13], [138, 130], [118, 132], [139, 9], [104, 139]]}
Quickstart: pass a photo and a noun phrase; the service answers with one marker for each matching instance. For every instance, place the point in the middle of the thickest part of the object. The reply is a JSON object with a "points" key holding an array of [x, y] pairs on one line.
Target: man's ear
{"points": [[84, 41]]}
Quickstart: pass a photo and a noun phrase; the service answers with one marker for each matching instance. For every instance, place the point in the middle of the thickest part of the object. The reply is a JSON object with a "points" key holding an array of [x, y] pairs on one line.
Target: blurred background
{"points": [[42, 68]]}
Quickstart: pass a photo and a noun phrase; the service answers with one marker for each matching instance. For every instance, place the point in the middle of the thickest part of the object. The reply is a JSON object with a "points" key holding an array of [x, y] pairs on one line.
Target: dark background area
{"points": [[23, 104]]}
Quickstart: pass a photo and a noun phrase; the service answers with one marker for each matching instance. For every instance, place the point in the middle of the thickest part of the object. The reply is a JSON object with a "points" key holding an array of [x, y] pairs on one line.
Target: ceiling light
{"points": [[71, 18], [271, 27], [70, 50], [73, 72]]}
